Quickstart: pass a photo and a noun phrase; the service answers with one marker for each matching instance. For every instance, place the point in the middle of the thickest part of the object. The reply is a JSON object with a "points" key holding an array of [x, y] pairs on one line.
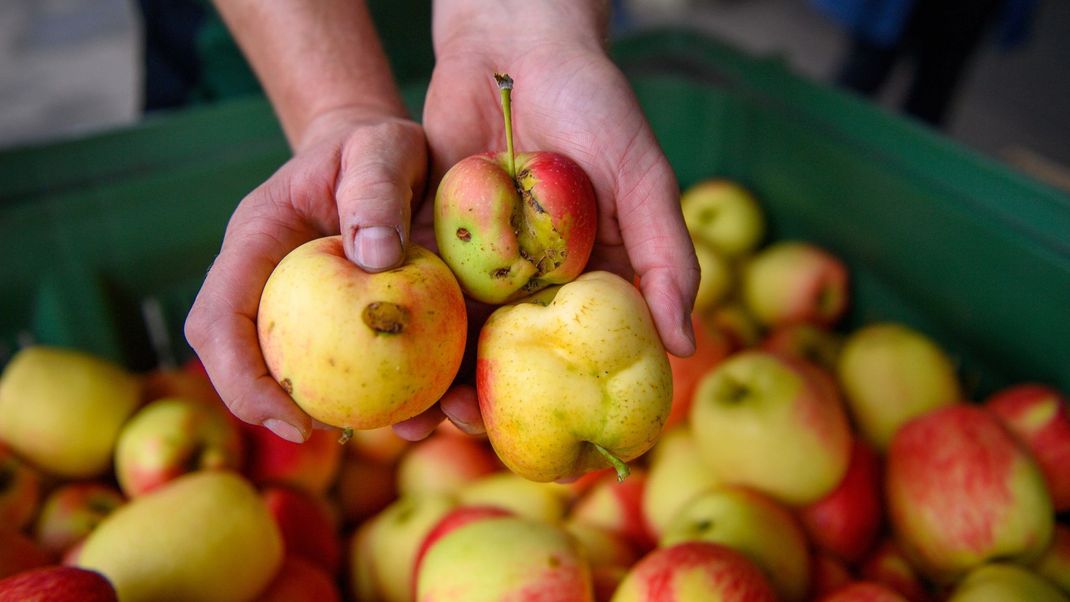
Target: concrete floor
{"points": [[68, 67]]}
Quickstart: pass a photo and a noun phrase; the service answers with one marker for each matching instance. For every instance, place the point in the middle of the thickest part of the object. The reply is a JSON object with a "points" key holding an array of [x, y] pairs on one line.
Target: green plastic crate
{"points": [[98, 233]]}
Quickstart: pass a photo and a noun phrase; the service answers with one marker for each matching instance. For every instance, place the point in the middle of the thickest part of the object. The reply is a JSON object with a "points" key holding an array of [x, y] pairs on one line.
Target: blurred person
{"points": [[939, 36]]}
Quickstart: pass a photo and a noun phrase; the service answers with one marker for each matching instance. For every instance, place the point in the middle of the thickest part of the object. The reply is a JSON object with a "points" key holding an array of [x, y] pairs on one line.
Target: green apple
{"points": [[573, 378], [753, 525], [207, 535], [359, 350], [1005, 582], [62, 409], [677, 474], [724, 215], [504, 558], [774, 424], [890, 373]]}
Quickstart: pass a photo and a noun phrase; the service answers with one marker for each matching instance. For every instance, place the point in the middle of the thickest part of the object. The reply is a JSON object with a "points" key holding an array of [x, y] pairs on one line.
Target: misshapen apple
{"points": [[509, 225], [358, 350], [573, 379]]}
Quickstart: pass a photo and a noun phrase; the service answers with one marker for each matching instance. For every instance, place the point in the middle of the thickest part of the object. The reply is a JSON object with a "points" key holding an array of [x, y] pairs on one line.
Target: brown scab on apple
{"points": [[386, 318]]}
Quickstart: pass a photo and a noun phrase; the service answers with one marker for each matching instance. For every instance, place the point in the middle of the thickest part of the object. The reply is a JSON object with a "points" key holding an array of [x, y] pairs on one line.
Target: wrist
{"points": [[513, 27]]}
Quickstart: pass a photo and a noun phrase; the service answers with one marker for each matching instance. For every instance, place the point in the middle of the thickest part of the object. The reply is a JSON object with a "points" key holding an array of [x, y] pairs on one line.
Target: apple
{"points": [[206, 535], [809, 342], [572, 379], [454, 519], [724, 215], [504, 558], [791, 281], [364, 488], [694, 570], [57, 584], [71, 512], [443, 464], [308, 528], [891, 373], [887, 564], [547, 502], [382, 552], [1040, 416], [774, 424], [736, 322], [712, 346], [61, 409], [173, 436], [1055, 563], [20, 490], [311, 466], [617, 507], [358, 350], [609, 554], [509, 225], [961, 491], [847, 521], [19, 553], [754, 525], [864, 591], [677, 474], [381, 444], [301, 580], [1001, 581], [717, 277], [827, 574]]}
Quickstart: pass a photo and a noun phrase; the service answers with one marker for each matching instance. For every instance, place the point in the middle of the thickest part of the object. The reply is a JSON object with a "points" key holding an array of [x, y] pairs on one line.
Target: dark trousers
{"points": [[940, 37]]}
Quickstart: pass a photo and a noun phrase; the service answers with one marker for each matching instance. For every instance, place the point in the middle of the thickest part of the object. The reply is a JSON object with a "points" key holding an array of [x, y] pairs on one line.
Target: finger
{"points": [[420, 426], [461, 406], [382, 171]]}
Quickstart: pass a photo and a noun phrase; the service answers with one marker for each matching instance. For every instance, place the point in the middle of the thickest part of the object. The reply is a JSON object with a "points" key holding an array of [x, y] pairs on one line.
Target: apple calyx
{"points": [[618, 465], [385, 318]]}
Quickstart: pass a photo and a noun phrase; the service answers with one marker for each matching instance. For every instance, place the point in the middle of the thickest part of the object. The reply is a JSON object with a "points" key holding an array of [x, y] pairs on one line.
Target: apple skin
{"points": [[364, 488], [808, 342], [504, 558], [57, 584], [724, 215], [546, 502], [506, 238], [19, 553], [609, 554], [790, 282], [961, 491], [444, 464], [137, 547], [454, 519], [677, 474], [712, 347], [311, 466], [694, 570], [864, 591], [171, 437], [1055, 563], [307, 525], [617, 507], [20, 490], [847, 521], [568, 369], [717, 277], [301, 580], [755, 526], [61, 410], [381, 444], [359, 350], [891, 373], [1040, 417], [887, 564], [827, 574], [72, 511], [1001, 581], [774, 424]]}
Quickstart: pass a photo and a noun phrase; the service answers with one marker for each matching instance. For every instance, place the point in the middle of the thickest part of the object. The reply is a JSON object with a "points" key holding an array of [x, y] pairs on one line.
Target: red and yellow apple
{"points": [[676, 475], [71, 512], [886, 564], [364, 488], [308, 527], [723, 215], [711, 348], [57, 584], [358, 350], [790, 282], [301, 580], [617, 507], [443, 464], [311, 466], [695, 570]]}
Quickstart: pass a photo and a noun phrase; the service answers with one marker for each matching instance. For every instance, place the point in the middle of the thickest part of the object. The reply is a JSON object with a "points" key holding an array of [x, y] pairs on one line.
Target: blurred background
{"points": [[992, 74]]}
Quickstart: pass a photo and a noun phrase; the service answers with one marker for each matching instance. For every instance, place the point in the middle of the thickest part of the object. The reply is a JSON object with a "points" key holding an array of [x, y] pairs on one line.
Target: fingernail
{"points": [[377, 247], [285, 430], [687, 328]]}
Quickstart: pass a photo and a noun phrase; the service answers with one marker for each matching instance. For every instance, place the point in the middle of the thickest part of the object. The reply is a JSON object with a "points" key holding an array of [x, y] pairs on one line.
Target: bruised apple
{"points": [[572, 379], [358, 350]]}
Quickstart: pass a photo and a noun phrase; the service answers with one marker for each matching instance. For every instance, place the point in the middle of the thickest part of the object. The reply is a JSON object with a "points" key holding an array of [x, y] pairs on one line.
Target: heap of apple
{"points": [[792, 457]]}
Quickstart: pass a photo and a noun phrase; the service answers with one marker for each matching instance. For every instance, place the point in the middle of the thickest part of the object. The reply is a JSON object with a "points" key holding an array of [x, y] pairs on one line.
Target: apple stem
{"points": [[618, 465], [505, 86], [347, 434]]}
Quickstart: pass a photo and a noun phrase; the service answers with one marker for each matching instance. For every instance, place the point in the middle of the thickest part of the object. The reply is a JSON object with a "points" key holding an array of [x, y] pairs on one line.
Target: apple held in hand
{"points": [[358, 350], [961, 491], [774, 424], [511, 225], [573, 378]]}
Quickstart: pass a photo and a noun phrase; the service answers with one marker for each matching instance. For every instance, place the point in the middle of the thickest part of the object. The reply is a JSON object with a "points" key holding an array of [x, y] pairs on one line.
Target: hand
{"points": [[355, 172], [569, 98]]}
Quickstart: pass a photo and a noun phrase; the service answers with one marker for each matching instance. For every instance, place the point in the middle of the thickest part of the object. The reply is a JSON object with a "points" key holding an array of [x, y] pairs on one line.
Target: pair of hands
{"points": [[370, 175]]}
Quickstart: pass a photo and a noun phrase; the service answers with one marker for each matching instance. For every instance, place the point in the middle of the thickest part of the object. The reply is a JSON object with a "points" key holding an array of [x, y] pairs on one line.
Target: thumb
{"points": [[382, 171]]}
